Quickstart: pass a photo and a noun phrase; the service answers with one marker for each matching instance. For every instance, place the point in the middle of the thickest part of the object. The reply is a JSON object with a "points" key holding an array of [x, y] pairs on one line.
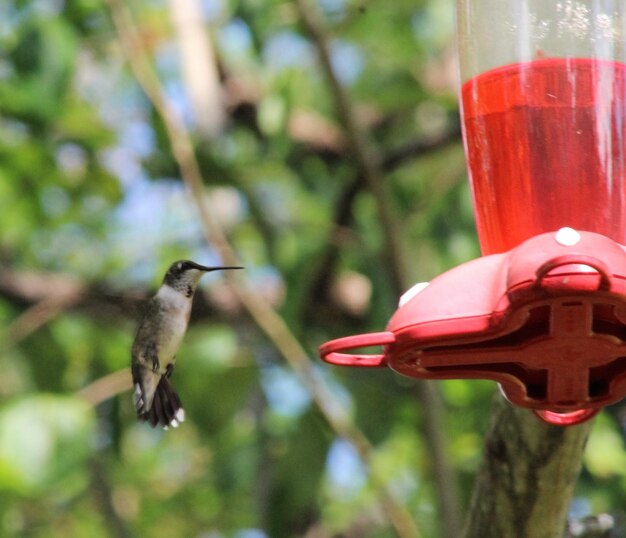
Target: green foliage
{"points": [[44, 444], [89, 188]]}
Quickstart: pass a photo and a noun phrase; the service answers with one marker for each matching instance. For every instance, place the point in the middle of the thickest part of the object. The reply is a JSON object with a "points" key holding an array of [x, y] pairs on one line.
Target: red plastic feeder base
{"points": [[546, 320]]}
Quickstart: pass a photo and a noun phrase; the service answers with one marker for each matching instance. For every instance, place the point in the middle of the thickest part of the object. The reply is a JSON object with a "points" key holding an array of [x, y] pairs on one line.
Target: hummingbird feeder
{"points": [[543, 312]]}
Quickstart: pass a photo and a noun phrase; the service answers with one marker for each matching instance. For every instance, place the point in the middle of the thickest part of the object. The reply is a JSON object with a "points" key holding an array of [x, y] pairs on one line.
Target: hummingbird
{"points": [[158, 338]]}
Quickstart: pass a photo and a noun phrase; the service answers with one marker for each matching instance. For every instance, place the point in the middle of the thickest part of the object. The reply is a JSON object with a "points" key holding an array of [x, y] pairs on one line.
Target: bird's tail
{"points": [[166, 409]]}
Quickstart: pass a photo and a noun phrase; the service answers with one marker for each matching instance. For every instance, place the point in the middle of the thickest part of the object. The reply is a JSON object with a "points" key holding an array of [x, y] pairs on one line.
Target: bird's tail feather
{"points": [[166, 409]]}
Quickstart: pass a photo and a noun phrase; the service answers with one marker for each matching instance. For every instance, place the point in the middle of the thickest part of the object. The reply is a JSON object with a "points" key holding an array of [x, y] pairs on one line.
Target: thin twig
{"points": [[36, 316], [371, 168], [324, 269], [44, 294], [106, 387], [363, 152], [268, 320]]}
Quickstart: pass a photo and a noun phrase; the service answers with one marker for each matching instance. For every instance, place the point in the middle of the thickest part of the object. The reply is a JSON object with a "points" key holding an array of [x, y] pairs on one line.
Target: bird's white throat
{"points": [[173, 298]]}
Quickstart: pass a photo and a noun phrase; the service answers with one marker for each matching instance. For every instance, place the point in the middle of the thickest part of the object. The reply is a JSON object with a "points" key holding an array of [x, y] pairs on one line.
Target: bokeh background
{"points": [[322, 132]]}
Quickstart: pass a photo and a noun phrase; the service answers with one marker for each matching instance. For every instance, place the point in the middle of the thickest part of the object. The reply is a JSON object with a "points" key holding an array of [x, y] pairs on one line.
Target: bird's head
{"points": [[184, 275]]}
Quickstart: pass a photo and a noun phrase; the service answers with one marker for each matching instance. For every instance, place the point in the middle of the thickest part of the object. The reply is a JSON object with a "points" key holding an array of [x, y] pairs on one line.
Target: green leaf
{"points": [[44, 442]]}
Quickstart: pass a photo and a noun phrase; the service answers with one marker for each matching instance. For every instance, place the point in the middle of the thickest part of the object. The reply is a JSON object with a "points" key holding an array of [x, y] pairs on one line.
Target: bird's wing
{"points": [[145, 381]]}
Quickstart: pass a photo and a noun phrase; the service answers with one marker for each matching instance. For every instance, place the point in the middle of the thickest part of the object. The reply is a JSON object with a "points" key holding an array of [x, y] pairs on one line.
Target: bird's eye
{"points": [[179, 266]]}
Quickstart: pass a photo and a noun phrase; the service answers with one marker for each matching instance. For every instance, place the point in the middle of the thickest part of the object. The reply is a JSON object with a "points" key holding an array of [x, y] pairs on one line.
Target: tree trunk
{"points": [[526, 482]]}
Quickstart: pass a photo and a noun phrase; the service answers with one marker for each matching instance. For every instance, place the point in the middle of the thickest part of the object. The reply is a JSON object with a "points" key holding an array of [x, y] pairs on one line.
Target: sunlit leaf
{"points": [[45, 442]]}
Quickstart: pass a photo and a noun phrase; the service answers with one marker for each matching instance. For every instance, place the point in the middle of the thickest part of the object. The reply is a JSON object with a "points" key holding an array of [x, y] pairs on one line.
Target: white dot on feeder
{"points": [[412, 292], [567, 237]]}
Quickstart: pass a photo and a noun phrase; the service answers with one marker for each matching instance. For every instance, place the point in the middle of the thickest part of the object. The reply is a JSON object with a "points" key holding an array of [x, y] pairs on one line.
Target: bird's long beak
{"points": [[218, 268]]}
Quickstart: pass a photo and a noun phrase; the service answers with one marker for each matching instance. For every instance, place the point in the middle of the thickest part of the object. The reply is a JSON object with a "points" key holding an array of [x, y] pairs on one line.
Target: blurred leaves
{"points": [[606, 457], [89, 188], [45, 441]]}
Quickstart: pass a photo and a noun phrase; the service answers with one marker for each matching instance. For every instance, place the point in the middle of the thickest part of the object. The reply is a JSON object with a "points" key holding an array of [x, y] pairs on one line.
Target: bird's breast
{"points": [[175, 311]]}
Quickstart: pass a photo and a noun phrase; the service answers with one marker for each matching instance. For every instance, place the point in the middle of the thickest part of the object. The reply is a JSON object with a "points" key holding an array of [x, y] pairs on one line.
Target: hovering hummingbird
{"points": [[158, 338]]}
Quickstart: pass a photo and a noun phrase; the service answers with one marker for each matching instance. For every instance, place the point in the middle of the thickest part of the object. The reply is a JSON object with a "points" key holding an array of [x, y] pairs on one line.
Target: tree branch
{"points": [[363, 152], [47, 294], [322, 274], [106, 387], [526, 482], [37, 316], [199, 66], [371, 169]]}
